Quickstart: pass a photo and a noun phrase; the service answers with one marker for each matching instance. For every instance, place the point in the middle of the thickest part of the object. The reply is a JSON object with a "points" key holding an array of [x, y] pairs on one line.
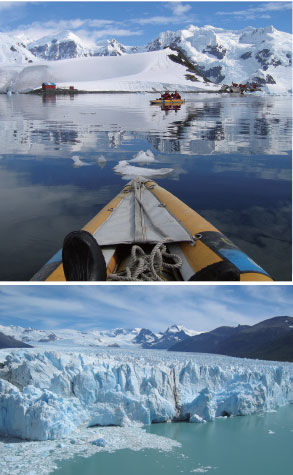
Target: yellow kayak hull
{"points": [[205, 251], [167, 102]]}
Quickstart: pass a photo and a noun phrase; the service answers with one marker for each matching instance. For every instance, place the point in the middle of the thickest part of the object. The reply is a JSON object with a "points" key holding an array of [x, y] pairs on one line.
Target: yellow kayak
{"points": [[146, 224], [168, 101]]}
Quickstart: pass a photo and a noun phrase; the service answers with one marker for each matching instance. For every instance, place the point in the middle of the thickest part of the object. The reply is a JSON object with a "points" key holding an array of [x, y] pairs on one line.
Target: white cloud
{"points": [[199, 307], [29, 300], [254, 12], [178, 8], [95, 29], [115, 32], [88, 29], [154, 20]]}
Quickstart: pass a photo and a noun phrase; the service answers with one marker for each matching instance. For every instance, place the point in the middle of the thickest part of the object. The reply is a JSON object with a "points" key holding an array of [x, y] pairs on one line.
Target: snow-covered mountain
{"points": [[114, 48], [146, 338], [254, 55], [271, 339], [261, 55], [65, 45], [62, 45], [173, 335], [118, 337], [13, 50], [49, 394]]}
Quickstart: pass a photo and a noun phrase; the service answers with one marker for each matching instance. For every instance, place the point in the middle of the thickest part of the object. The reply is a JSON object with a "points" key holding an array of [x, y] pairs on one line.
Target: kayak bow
{"points": [[145, 214]]}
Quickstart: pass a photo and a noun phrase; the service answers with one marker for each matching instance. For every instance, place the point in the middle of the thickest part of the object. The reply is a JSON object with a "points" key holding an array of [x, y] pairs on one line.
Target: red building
{"points": [[48, 86]]}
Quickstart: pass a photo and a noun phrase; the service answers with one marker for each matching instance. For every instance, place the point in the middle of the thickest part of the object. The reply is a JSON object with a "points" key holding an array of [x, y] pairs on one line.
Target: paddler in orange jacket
{"points": [[166, 96]]}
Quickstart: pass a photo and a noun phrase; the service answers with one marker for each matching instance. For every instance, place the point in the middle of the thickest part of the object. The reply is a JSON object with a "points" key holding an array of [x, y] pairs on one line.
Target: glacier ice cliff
{"points": [[48, 394]]}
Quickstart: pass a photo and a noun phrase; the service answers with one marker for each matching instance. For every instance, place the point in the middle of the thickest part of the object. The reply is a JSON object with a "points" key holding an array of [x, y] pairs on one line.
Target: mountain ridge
{"points": [[270, 339], [7, 341], [120, 337], [259, 55]]}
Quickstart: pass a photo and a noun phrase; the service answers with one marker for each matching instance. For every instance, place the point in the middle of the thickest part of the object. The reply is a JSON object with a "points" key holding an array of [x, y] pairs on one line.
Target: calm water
{"points": [[251, 445], [231, 160]]}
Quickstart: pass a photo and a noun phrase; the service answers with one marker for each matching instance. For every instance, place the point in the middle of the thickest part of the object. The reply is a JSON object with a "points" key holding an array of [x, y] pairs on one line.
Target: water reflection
{"points": [[37, 215], [49, 99], [205, 125], [170, 108], [230, 157]]}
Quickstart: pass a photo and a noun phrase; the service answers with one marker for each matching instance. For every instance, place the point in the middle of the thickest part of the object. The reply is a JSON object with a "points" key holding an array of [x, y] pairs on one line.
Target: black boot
{"points": [[82, 258]]}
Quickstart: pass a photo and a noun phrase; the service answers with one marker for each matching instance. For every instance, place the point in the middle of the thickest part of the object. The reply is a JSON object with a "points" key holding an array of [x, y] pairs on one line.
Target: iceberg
{"points": [[143, 157], [47, 395], [129, 171]]}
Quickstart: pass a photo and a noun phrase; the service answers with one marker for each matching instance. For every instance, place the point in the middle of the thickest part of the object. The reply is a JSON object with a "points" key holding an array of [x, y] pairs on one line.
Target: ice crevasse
{"points": [[48, 394]]}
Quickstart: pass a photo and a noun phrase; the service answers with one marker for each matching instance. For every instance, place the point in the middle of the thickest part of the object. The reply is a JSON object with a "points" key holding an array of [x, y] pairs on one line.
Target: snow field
{"points": [[148, 72]]}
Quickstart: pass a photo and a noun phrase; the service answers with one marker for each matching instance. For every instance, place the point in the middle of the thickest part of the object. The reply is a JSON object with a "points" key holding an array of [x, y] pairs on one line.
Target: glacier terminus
{"points": [[47, 394]]}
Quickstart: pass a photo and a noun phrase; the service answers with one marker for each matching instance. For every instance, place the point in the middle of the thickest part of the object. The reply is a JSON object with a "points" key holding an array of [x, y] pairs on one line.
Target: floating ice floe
{"points": [[19, 457], [101, 161], [129, 171], [143, 157], [202, 469], [77, 162]]}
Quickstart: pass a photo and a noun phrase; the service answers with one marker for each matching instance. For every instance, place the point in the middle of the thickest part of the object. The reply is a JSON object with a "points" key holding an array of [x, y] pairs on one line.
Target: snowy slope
{"points": [[69, 338], [139, 72], [48, 395], [13, 50]]}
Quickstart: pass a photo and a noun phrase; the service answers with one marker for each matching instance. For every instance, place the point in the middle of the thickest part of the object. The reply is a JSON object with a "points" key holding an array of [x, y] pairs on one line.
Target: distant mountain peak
{"points": [[271, 339]]}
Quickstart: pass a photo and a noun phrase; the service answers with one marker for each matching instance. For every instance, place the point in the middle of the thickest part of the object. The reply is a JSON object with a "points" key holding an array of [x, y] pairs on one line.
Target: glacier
{"points": [[48, 394]]}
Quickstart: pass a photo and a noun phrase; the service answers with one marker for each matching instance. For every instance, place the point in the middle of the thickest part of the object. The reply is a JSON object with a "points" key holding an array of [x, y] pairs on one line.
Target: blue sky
{"points": [[199, 307], [137, 22]]}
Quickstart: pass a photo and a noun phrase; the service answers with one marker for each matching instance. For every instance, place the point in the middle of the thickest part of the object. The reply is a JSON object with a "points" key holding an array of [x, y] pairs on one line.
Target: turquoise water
{"points": [[251, 445]]}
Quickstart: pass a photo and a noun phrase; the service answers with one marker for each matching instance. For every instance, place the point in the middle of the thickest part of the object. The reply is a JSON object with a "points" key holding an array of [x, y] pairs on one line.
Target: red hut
{"points": [[48, 86]]}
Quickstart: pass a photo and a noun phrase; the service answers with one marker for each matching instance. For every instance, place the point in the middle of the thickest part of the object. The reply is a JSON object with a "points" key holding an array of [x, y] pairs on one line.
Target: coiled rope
{"points": [[148, 267]]}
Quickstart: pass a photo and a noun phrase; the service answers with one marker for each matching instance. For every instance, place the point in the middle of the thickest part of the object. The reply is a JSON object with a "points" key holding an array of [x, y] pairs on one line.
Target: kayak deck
{"points": [[144, 214]]}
